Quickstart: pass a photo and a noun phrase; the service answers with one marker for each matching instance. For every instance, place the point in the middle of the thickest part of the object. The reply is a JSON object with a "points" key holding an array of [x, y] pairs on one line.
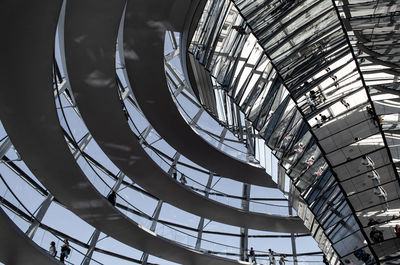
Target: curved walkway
{"points": [[144, 36], [28, 113], [18, 249], [91, 69]]}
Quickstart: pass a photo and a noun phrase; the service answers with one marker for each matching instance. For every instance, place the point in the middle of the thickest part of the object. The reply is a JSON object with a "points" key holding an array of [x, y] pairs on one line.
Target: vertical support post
{"points": [[92, 244], [250, 138], [39, 216], [201, 222], [292, 235], [244, 232], [156, 214]]}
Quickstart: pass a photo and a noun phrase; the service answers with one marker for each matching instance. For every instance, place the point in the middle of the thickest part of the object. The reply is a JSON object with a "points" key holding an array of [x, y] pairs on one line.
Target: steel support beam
{"points": [[5, 147], [39, 216], [92, 245], [156, 215], [201, 222], [292, 235], [222, 137], [244, 232], [82, 145], [118, 182]]}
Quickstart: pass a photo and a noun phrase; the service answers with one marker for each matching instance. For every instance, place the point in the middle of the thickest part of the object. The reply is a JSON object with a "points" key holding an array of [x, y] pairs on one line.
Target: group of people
{"points": [[322, 118], [65, 250], [376, 179], [271, 256], [376, 235], [313, 100], [362, 255]]}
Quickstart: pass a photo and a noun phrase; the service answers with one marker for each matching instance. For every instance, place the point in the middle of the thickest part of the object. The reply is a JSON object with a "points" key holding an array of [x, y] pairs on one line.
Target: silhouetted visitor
{"points": [[376, 235], [112, 198], [282, 260], [52, 249], [174, 172], [252, 255], [183, 179], [65, 251], [271, 257]]}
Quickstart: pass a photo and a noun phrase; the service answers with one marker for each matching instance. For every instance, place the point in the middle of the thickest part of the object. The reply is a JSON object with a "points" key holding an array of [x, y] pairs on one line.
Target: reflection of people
{"points": [[319, 171], [285, 141], [239, 29], [323, 118], [372, 222], [310, 103], [370, 112], [319, 123], [382, 195], [374, 176], [345, 103], [299, 147], [372, 115], [347, 261], [368, 162], [310, 161], [376, 235], [362, 255], [397, 230]]}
